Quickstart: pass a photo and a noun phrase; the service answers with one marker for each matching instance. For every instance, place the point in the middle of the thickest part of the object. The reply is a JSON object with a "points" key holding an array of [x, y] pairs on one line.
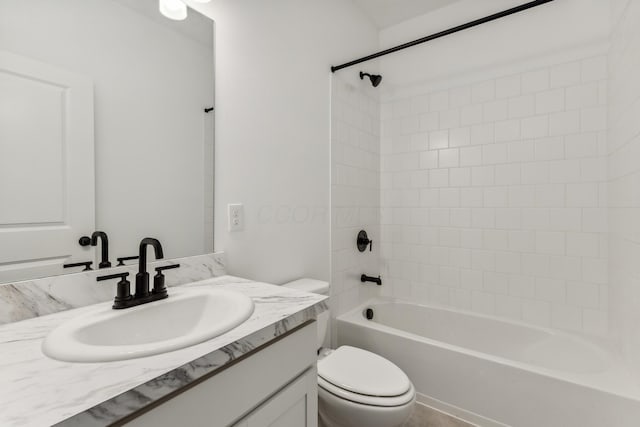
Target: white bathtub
{"points": [[496, 372]]}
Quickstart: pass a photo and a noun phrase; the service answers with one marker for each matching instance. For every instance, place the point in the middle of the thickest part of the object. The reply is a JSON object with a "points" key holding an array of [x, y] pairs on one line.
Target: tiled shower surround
{"points": [[355, 190], [494, 194]]}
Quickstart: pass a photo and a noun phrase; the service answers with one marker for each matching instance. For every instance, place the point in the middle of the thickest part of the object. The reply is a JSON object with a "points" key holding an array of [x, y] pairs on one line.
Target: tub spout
{"points": [[377, 280]]}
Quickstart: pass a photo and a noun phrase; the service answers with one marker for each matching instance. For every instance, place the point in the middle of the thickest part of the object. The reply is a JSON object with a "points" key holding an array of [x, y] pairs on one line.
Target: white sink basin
{"points": [[187, 317]]}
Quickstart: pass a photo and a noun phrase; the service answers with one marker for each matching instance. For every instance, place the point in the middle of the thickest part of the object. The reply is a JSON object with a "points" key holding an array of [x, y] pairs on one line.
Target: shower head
{"points": [[375, 78]]}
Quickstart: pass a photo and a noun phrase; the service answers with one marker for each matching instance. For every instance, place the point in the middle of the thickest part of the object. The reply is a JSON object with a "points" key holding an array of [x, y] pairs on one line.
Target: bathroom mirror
{"points": [[106, 123]]}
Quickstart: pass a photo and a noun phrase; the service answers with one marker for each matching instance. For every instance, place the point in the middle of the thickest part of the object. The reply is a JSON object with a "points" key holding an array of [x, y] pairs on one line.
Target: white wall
{"points": [[151, 84], [624, 178], [548, 28], [273, 128]]}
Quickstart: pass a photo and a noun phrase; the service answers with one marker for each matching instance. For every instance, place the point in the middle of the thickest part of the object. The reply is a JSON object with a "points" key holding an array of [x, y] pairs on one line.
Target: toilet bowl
{"points": [[360, 388], [356, 387]]}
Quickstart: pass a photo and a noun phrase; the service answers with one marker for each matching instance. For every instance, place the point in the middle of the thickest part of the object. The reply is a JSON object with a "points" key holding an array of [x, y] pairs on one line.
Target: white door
{"points": [[46, 168]]}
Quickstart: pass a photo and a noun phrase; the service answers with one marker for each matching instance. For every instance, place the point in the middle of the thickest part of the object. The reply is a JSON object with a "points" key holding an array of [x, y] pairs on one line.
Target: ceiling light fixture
{"points": [[173, 9]]}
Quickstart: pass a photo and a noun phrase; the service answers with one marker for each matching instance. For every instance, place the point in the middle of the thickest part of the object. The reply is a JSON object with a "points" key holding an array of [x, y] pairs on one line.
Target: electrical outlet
{"points": [[236, 217]]}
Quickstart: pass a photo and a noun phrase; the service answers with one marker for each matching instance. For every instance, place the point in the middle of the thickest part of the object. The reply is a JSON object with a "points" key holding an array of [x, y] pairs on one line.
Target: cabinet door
{"points": [[296, 405]]}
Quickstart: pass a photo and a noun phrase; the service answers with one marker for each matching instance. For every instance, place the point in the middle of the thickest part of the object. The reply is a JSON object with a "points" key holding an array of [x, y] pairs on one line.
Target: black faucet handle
{"points": [[86, 265], [120, 276], [121, 260], [159, 289], [123, 293], [159, 270]]}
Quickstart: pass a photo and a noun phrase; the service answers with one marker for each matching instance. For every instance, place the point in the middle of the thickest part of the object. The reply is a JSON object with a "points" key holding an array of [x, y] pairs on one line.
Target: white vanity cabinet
{"points": [[275, 387], [293, 406]]}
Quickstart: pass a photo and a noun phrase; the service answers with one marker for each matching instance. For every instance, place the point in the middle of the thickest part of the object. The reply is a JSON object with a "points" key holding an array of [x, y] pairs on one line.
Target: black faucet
{"points": [[142, 278], [142, 293], [104, 261]]}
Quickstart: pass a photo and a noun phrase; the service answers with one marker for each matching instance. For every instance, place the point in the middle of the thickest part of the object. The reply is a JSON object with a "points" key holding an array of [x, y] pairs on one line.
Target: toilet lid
{"points": [[386, 402], [360, 371]]}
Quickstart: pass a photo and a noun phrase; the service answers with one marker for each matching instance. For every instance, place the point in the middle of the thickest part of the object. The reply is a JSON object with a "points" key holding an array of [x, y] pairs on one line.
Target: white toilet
{"points": [[357, 388]]}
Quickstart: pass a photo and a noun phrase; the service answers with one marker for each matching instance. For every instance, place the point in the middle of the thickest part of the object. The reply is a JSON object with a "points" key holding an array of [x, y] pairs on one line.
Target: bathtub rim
{"points": [[614, 380]]}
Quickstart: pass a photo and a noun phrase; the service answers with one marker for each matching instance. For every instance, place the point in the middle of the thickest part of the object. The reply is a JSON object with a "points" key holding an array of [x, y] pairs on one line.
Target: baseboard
{"points": [[456, 412]]}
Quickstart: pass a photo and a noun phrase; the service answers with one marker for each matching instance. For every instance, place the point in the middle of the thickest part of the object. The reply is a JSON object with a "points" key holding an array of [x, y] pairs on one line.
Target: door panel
{"points": [[47, 196]]}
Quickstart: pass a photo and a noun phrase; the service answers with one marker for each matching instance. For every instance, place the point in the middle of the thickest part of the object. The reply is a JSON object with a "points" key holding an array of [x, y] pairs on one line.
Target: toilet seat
{"points": [[363, 399], [363, 377]]}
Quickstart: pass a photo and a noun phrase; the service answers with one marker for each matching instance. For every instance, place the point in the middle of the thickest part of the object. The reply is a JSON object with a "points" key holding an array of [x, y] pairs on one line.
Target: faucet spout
{"points": [[157, 247], [142, 278], [104, 247]]}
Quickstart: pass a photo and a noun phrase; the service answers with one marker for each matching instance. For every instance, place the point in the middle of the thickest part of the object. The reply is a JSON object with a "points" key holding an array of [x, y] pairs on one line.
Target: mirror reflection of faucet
{"points": [[104, 246], [121, 260], [85, 264]]}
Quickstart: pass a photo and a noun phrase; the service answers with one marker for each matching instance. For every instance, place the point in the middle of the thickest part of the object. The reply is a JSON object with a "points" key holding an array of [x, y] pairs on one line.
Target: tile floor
{"points": [[424, 416]]}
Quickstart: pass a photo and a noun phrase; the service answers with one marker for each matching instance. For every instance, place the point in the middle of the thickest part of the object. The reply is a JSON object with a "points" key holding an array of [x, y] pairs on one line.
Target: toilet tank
{"points": [[315, 287]]}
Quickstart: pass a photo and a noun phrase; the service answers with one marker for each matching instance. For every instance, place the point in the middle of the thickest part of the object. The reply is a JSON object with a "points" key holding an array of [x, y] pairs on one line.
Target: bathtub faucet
{"points": [[377, 280]]}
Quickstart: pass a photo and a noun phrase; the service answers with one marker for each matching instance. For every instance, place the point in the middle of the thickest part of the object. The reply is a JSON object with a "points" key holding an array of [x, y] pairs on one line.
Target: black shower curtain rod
{"points": [[468, 25]]}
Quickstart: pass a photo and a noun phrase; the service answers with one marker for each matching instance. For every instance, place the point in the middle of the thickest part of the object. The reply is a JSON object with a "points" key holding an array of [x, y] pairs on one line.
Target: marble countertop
{"points": [[38, 391]]}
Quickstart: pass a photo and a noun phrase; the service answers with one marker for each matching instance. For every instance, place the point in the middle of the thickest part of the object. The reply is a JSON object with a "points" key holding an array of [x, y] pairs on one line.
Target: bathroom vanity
{"points": [[276, 386], [263, 372]]}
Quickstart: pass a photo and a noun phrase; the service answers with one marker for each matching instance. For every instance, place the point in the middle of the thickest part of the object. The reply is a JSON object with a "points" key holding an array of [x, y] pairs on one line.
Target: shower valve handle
{"points": [[363, 241]]}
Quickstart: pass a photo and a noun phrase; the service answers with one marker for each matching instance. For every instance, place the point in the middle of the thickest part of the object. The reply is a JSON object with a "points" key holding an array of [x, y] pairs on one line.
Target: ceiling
{"points": [[196, 26], [385, 13]]}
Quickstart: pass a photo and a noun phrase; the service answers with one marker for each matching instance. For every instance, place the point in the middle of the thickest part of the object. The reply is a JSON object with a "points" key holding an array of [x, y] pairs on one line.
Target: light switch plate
{"points": [[236, 217]]}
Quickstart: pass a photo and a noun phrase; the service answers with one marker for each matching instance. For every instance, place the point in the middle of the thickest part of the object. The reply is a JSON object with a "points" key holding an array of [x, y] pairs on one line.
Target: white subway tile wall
{"points": [[355, 188], [494, 196], [624, 182]]}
